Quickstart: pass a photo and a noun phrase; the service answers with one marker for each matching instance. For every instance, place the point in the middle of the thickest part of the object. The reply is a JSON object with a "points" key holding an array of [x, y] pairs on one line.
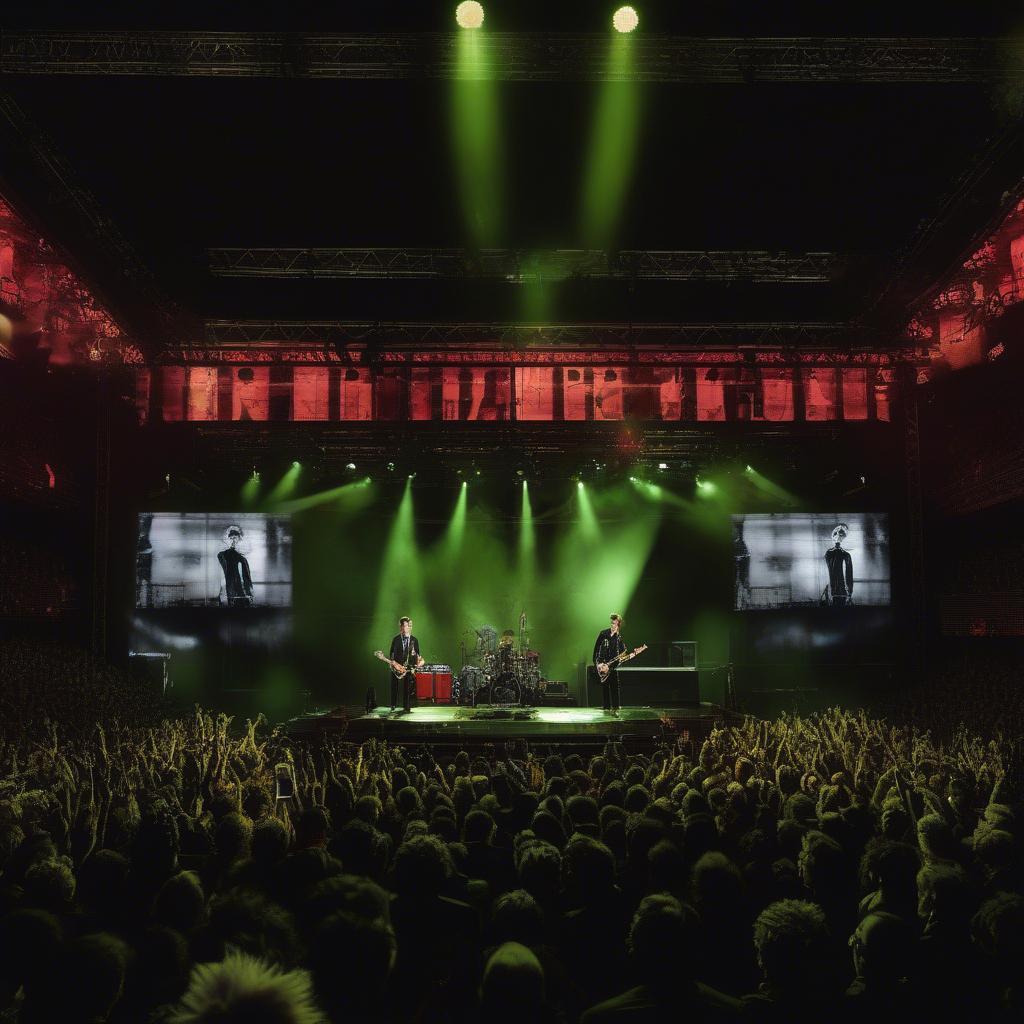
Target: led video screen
{"points": [[213, 560], [802, 560]]}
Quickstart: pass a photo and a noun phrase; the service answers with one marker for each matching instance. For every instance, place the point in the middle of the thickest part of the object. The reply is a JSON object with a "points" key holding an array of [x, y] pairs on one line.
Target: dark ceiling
{"points": [[182, 164]]}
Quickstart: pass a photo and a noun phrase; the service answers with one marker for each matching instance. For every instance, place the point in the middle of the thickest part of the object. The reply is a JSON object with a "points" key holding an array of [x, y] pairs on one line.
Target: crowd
{"points": [[802, 869]]}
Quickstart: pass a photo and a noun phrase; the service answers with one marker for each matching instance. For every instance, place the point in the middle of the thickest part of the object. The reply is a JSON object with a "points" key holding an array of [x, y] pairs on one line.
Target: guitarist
{"points": [[609, 645], [405, 649]]}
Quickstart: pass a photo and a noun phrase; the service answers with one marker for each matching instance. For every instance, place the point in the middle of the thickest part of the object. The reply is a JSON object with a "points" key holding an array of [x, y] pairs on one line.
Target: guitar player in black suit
{"points": [[405, 649], [609, 645]]}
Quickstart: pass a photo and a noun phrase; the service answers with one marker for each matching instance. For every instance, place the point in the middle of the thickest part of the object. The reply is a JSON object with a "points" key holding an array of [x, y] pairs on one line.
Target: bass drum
{"points": [[503, 691], [469, 682]]}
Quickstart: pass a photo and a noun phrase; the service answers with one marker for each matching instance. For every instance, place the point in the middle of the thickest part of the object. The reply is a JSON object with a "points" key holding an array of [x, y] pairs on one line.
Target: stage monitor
{"points": [[213, 560], [802, 560]]}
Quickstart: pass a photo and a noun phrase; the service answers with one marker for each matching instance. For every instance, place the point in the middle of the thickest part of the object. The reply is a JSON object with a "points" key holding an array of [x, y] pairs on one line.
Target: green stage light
{"points": [[251, 490], [351, 466], [527, 540], [579, 483], [469, 14], [614, 143], [625, 19], [296, 465], [475, 123], [347, 497], [285, 487], [399, 584]]}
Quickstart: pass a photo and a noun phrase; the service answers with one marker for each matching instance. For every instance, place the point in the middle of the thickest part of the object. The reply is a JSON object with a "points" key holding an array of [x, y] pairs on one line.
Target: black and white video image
{"points": [[217, 560], [792, 560]]}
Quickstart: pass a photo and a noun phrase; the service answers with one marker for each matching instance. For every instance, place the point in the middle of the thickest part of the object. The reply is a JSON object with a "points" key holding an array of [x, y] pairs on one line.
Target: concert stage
{"points": [[464, 727]]}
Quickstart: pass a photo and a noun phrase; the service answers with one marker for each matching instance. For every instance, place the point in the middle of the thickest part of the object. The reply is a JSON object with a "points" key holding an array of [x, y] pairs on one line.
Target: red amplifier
{"points": [[424, 685], [434, 683], [443, 687]]}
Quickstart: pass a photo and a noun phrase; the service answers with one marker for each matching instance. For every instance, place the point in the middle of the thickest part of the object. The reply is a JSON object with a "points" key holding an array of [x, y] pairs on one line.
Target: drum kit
{"points": [[498, 670]]}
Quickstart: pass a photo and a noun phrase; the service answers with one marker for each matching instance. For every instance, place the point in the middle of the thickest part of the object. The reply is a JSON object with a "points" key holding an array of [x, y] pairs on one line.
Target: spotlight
{"points": [[579, 484], [465, 482], [469, 14], [662, 465], [296, 465], [391, 467], [750, 469], [478, 472], [351, 466], [625, 19], [520, 472]]}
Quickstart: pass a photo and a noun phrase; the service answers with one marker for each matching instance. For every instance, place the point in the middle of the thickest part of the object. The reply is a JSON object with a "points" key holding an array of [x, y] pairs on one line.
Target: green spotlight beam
{"points": [[456, 532], [773, 490], [351, 497], [590, 528], [527, 538], [526, 560], [285, 487], [477, 146], [614, 139], [399, 590], [594, 579], [251, 491]]}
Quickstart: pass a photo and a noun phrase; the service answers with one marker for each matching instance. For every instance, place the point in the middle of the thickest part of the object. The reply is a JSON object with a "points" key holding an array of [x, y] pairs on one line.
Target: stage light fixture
{"points": [[391, 467], [625, 19], [469, 14], [296, 465], [750, 469], [662, 465], [579, 484], [351, 466]]}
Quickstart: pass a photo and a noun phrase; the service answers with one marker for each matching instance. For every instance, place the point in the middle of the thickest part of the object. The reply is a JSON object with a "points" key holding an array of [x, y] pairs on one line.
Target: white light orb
{"points": [[469, 14], [625, 19]]}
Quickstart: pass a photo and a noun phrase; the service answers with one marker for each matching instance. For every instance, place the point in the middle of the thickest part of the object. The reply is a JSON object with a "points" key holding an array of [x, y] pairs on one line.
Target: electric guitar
{"points": [[399, 670], [605, 667]]}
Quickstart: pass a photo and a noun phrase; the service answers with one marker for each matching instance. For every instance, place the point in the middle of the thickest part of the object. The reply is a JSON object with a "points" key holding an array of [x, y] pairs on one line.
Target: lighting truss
{"points": [[419, 336], [521, 266], [509, 57]]}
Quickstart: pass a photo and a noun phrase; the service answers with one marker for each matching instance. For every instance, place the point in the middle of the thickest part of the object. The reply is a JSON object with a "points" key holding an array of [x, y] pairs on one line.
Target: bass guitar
{"points": [[604, 667], [398, 670]]}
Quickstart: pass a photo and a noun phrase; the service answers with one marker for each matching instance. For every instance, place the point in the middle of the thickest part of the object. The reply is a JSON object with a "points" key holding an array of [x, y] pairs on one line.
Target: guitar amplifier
{"points": [[434, 683]]}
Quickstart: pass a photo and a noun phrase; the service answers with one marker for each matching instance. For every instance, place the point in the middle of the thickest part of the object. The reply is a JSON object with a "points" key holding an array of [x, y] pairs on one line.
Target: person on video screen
{"points": [[839, 591], [237, 581], [741, 559]]}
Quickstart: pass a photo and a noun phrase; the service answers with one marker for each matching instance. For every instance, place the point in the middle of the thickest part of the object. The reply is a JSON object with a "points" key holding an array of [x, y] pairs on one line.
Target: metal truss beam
{"points": [[509, 57], [311, 342], [521, 266], [589, 335]]}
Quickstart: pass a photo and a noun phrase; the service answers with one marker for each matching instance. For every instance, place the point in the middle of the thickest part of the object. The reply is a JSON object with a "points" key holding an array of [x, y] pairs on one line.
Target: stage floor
{"points": [[471, 726]]}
